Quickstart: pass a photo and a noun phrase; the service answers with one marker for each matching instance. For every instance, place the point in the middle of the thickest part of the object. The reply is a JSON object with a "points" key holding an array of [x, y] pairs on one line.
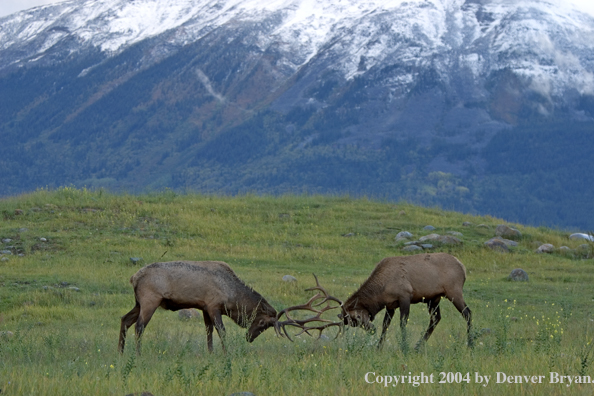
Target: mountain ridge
{"points": [[407, 100]]}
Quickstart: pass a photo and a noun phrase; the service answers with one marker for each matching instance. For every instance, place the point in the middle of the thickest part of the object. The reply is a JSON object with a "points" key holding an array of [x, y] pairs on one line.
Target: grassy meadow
{"points": [[61, 301]]}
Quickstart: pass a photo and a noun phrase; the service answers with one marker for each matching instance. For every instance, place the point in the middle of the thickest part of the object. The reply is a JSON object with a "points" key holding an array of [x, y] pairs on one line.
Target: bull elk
{"points": [[210, 286], [398, 282]]}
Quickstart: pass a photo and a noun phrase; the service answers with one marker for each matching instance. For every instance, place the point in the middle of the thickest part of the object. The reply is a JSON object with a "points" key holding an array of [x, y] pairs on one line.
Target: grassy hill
{"points": [[65, 286]]}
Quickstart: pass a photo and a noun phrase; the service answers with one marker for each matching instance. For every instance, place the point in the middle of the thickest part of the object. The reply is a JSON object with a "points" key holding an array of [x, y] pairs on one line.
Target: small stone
{"points": [[508, 242], [402, 213], [411, 248], [23, 229], [289, 278], [429, 228], [74, 288], [7, 252], [482, 226], [518, 275], [427, 246], [7, 240], [43, 239], [497, 245], [187, 314], [4, 259], [135, 260], [467, 224], [412, 243], [455, 233], [449, 240], [546, 248], [430, 237], [580, 235], [404, 235], [507, 232], [6, 334], [324, 337]]}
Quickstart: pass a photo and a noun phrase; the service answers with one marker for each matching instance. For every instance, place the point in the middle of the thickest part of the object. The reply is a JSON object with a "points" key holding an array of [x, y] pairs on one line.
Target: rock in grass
{"points": [[507, 232], [430, 237], [449, 240], [289, 278], [135, 260], [403, 235], [429, 228], [497, 245], [6, 334], [411, 248], [546, 248], [580, 235], [455, 233], [518, 275], [187, 314]]}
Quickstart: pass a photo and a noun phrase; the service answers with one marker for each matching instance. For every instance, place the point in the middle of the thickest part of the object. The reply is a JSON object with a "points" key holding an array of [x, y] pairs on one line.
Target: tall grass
{"points": [[61, 303]]}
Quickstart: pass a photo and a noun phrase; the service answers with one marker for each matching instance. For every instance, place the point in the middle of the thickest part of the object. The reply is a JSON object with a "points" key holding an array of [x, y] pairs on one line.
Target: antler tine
{"points": [[327, 296], [309, 306]]}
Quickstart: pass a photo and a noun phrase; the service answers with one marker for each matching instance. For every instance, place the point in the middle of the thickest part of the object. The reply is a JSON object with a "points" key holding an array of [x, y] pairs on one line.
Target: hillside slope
{"points": [[479, 106]]}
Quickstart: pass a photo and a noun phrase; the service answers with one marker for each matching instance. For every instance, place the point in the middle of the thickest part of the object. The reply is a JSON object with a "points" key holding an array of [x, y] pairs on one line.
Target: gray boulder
{"points": [[289, 278], [579, 235], [429, 228], [497, 245], [546, 248], [518, 275], [449, 240], [430, 237], [403, 235], [507, 232], [187, 314], [411, 248]]}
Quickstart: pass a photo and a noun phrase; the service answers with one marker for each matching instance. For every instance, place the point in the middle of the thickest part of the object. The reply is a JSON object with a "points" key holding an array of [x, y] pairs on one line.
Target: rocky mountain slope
{"points": [[477, 105]]}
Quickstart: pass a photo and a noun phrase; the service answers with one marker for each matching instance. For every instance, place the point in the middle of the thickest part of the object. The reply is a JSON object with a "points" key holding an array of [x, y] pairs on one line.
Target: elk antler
{"points": [[309, 306]]}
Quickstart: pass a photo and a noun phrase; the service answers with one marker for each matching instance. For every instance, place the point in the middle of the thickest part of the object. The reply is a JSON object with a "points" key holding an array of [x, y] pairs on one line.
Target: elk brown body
{"points": [[398, 282], [210, 286]]}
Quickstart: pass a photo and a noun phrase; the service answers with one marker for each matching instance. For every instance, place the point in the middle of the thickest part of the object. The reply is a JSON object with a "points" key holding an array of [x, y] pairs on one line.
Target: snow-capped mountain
{"points": [[152, 91]]}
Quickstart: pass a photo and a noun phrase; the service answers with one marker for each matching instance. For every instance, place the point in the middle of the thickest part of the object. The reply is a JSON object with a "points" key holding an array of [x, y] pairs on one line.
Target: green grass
{"points": [[62, 301]]}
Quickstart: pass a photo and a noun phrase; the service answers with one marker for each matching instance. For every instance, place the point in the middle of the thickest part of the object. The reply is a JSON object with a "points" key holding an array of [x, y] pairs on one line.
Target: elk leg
{"points": [[467, 314], [209, 330], [435, 314], [404, 311], [146, 313], [387, 319], [218, 324], [127, 320]]}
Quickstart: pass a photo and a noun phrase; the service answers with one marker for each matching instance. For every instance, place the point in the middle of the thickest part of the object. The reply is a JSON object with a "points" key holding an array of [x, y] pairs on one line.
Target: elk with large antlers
{"points": [[210, 286], [398, 282]]}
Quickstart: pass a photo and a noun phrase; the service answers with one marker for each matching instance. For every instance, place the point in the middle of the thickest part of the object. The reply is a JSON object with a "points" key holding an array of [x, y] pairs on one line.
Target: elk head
{"points": [[259, 324], [355, 316]]}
